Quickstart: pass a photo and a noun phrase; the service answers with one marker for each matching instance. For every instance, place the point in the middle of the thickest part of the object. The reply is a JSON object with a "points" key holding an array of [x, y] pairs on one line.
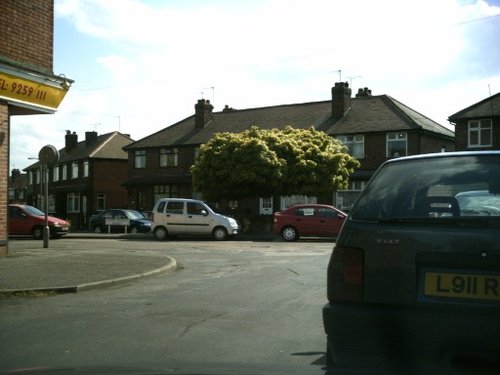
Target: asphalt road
{"points": [[236, 304]]}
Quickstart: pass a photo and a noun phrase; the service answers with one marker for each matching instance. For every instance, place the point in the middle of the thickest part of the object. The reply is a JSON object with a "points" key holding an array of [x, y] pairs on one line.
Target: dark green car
{"points": [[414, 276]]}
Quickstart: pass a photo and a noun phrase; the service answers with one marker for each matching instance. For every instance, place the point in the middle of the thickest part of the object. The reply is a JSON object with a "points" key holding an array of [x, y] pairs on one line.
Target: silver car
{"points": [[414, 276]]}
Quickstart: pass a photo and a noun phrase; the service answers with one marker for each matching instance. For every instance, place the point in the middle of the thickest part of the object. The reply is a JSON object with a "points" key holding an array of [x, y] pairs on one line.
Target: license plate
{"points": [[461, 286]]}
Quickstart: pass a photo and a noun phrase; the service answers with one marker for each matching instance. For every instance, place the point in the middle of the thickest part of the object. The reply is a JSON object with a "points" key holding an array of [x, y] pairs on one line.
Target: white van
{"points": [[179, 216]]}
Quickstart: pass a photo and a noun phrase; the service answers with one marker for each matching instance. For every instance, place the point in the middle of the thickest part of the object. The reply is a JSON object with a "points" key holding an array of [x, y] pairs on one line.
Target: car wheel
{"points": [[220, 233], [290, 234], [98, 229], [134, 230], [38, 233], [161, 233]]}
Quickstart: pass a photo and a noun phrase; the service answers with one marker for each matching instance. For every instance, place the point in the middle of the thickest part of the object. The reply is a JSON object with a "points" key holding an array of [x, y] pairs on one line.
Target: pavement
{"points": [[31, 269]]}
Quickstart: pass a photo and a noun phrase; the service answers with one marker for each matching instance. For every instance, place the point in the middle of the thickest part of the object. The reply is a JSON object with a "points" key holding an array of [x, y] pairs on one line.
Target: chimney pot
{"points": [[341, 99], [203, 113], [90, 137], [71, 140]]}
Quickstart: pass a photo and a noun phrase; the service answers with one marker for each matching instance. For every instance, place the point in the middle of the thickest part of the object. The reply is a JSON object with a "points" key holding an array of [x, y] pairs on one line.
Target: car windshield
{"points": [[440, 187], [33, 211], [134, 215]]}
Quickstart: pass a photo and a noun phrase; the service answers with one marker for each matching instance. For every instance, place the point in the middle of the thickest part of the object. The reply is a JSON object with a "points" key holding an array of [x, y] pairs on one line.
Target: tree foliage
{"points": [[260, 162]]}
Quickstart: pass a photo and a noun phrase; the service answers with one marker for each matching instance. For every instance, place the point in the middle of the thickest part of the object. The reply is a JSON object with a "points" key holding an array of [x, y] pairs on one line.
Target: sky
{"points": [[139, 66]]}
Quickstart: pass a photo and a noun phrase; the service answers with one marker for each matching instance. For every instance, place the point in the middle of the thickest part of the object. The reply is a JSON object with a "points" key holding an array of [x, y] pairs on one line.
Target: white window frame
{"points": [[394, 137], [140, 159], [55, 174], [85, 168], [101, 201], [483, 130], [166, 191], [169, 157], [73, 202], [64, 172], [74, 170], [291, 200], [266, 206], [355, 144]]}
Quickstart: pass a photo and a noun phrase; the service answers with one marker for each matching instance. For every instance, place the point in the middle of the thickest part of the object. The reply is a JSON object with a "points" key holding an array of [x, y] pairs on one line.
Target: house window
{"points": [[86, 168], [355, 145], [64, 171], [266, 206], [30, 178], [344, 199], [73, 202], [196, 153], [140, 159], [166, 191], [37, 174], [168, 157], [55, 174], [74, 169], [396, 145], [101, 201], [480, 133], [292, 200]]}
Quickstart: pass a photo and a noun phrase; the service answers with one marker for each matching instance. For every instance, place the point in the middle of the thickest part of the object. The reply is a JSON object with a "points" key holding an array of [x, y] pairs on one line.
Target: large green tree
{"points": [[260, 162]]}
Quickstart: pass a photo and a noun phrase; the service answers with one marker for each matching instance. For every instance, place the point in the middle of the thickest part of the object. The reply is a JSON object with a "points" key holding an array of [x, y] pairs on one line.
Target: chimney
{"points": [[341, 99], [203, 113], [71, 140], [363, 93], [90, 137], [15, 173]]}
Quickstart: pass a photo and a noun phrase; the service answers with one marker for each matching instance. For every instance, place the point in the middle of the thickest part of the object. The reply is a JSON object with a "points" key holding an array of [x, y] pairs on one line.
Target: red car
{"points": [[314, 220], [29, 220]]}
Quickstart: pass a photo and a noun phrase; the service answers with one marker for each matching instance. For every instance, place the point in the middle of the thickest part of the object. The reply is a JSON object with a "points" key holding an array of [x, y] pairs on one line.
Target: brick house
{"points": [[374, 128], [28, 84], [87, 178], [477, 127]]}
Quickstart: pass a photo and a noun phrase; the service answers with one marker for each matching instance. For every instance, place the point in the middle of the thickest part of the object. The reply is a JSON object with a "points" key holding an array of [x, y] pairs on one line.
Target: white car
{"points": [[182, 216]]}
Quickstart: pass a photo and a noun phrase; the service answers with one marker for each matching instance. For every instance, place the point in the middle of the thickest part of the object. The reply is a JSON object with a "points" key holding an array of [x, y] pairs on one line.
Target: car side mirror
{"points": [[204, 212]]}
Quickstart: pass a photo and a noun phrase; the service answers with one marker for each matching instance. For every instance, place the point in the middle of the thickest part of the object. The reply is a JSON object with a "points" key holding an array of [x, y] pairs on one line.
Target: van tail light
{"points": [[345, 275]]}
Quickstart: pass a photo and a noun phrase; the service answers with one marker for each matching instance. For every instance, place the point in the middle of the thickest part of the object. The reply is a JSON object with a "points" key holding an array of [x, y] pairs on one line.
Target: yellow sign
{"points": [[458, 285], [31, 93]]}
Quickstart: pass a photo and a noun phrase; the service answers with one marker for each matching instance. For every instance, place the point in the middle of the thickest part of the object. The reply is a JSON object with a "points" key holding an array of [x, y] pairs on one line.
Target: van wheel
{"points": [[38, 233], [220, 233], [161, 233], [98, 229], [290, 234]]}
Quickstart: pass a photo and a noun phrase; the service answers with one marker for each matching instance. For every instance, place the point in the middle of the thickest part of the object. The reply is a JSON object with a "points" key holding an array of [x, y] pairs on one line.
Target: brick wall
{"points": [[4, 175], [26, 40], [108, 177], [27, 29]]}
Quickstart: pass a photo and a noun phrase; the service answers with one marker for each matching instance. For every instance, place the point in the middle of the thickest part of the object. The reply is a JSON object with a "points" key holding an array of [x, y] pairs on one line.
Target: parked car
{"points": [[303, 220], [415, 271], [116, 220], [179, 216], [28, 220]]}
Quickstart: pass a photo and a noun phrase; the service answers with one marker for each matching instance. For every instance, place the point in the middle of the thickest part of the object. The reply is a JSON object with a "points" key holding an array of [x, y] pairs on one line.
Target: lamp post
{"points": [[48, 157]]}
